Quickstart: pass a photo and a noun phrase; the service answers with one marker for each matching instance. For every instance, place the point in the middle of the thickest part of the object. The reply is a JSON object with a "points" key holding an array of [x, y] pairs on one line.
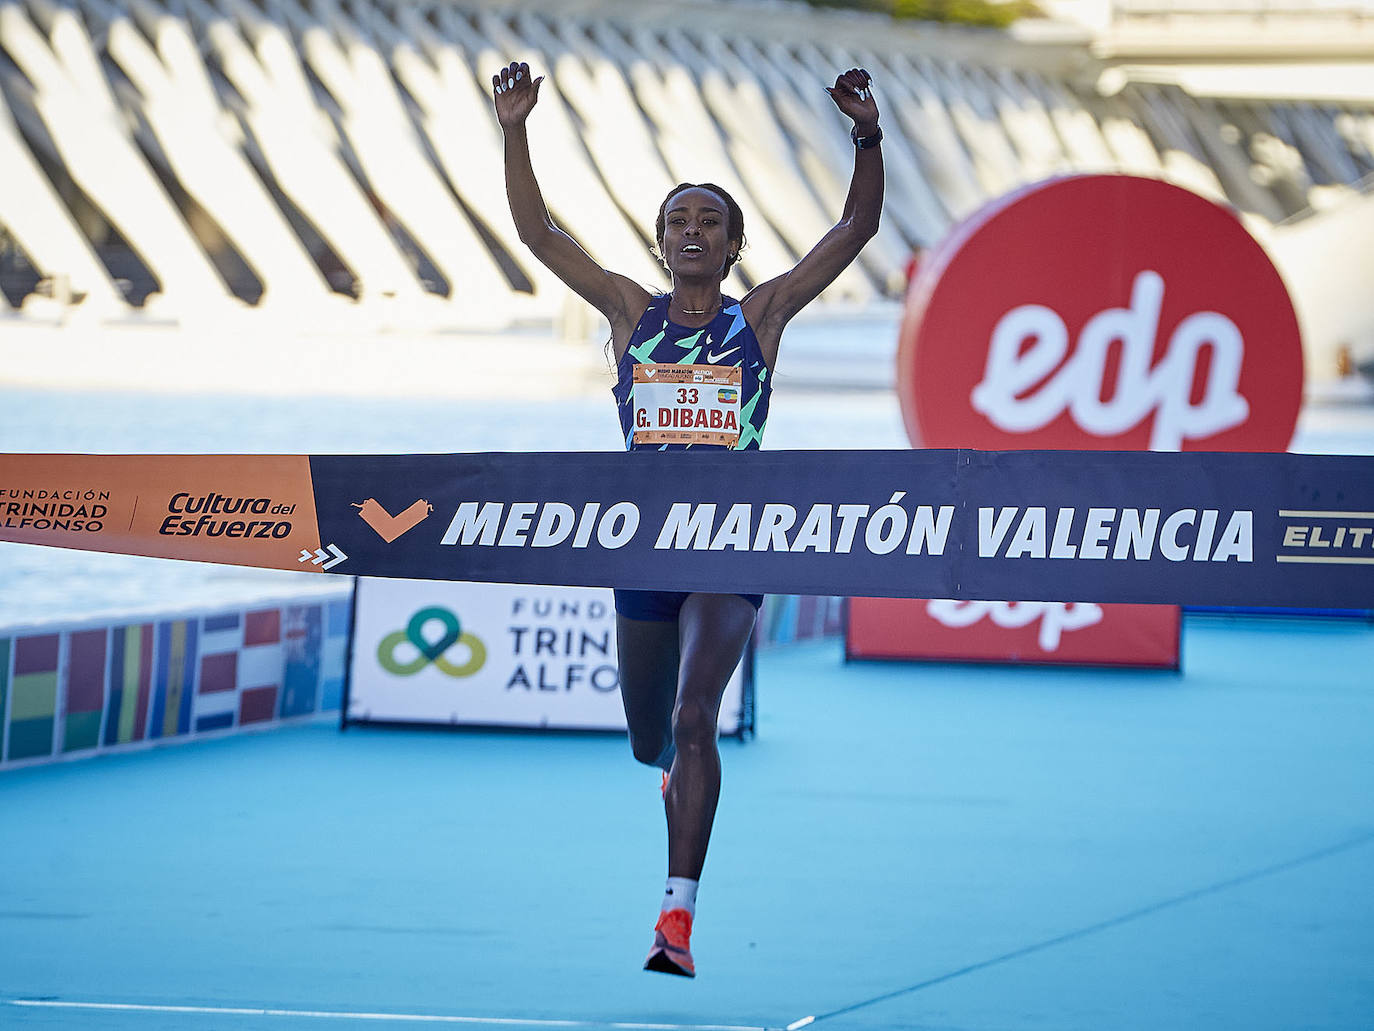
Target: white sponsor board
{"points": [[478, 654]]}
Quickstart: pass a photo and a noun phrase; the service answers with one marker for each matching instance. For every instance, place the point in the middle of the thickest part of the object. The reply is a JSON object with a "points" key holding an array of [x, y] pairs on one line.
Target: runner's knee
{"points": [[694, 726]]}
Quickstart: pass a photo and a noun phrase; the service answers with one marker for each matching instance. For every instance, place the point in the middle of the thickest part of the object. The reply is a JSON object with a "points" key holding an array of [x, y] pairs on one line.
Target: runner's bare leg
{"points": [[713, 632]]}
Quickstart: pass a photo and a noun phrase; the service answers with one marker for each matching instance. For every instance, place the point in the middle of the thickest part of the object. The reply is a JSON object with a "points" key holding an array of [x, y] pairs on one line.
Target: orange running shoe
{"points": [[672, 951]]}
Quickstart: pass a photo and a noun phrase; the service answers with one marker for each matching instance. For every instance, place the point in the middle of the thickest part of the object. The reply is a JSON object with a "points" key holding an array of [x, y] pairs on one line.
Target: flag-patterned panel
{"points": [[334, 658], [304, 633], [175, 677], [33, 697], [5, 648], [131, 675], [84, 681], [217, 695], [261, 666], [102, 687]]}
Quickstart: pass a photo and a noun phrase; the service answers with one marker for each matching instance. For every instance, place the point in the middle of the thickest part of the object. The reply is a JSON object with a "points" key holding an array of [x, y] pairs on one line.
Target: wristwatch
{"points": [[864, 142]]}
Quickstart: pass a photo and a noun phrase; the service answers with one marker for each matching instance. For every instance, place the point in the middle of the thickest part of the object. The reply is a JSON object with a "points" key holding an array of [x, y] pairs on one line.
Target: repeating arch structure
{"points": [[297, 156]]}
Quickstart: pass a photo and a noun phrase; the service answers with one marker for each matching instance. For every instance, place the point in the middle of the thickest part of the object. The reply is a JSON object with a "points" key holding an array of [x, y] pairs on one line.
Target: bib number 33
{"points": [[686, 404]]}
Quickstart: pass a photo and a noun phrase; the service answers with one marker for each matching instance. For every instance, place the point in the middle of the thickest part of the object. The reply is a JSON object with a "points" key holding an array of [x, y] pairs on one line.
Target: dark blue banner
{"points": [[1201, 529]]}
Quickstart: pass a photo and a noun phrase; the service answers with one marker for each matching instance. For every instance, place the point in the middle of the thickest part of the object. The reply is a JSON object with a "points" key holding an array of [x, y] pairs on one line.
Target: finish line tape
{"points": [[1179, 528]]}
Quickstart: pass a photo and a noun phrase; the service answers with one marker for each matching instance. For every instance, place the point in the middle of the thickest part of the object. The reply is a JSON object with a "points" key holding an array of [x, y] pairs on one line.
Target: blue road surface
{"points": [[903, 846]]}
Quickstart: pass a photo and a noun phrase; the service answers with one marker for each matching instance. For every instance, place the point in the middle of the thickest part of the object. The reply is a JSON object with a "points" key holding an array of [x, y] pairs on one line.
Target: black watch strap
{"points": [[864, 142]]}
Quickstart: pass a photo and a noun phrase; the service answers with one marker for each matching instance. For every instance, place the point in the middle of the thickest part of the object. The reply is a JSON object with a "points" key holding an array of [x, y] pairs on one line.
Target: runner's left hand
{"points": [[853, 95]]}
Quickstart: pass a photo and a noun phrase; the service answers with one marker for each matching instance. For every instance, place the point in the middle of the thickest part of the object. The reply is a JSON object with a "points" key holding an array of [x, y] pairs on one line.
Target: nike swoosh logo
{"points": [[712, 357]]}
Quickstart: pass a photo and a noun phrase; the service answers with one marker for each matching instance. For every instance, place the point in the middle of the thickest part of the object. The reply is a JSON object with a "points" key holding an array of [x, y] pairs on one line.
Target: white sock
{"points": [[681, 893]]}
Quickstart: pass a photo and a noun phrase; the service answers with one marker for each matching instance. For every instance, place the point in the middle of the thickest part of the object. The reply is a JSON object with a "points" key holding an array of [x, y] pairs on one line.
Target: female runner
{"points": [[678, 650]]}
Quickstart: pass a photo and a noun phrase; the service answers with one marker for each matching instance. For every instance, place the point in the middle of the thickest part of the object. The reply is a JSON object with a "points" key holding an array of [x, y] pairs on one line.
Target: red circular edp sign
{"points": [[1100, 312]]}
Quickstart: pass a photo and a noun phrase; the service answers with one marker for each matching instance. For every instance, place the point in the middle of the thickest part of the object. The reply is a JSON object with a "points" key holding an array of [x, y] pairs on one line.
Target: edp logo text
{"points": [[1078, 384]]}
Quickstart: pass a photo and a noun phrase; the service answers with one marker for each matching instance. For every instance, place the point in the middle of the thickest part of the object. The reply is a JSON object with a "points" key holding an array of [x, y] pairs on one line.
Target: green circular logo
{"points": [[431, 649]]}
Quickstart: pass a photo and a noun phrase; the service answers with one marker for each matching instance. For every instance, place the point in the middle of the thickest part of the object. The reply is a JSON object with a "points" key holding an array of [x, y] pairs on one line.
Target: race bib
{"points": [[686, 404]]}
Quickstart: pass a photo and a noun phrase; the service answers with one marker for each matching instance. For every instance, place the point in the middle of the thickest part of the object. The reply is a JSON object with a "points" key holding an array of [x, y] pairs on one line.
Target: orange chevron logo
{"points": [[389, 526]]}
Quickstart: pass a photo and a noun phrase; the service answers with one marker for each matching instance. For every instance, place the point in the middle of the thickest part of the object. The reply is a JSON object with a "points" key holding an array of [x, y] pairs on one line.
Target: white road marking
{"points": [[414, 1018]]}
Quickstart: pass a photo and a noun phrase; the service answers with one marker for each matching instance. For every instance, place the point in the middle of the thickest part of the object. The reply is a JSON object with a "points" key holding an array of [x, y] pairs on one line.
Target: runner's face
{"points": [[695, 235]]}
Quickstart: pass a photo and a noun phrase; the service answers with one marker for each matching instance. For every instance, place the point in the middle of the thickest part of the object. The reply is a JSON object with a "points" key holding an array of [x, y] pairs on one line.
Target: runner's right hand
{"points": [[514, 93]]}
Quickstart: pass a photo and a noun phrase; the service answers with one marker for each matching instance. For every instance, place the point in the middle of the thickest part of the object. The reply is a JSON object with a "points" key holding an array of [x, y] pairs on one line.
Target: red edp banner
{"points": [[1100, 312], [1061, 633], [1094, 312]]}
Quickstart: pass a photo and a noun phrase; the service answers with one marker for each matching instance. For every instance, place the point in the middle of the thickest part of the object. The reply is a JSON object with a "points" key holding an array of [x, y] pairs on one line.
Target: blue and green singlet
{"points": [[726, 341]]}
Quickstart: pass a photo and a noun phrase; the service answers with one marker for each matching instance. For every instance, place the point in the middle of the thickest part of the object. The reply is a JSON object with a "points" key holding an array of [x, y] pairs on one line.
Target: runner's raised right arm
{"points": [[620, 299]]}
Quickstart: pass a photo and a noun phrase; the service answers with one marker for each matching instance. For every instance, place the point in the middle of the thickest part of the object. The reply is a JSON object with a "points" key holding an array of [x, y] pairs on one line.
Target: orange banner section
{"points": [[243, 510]]}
